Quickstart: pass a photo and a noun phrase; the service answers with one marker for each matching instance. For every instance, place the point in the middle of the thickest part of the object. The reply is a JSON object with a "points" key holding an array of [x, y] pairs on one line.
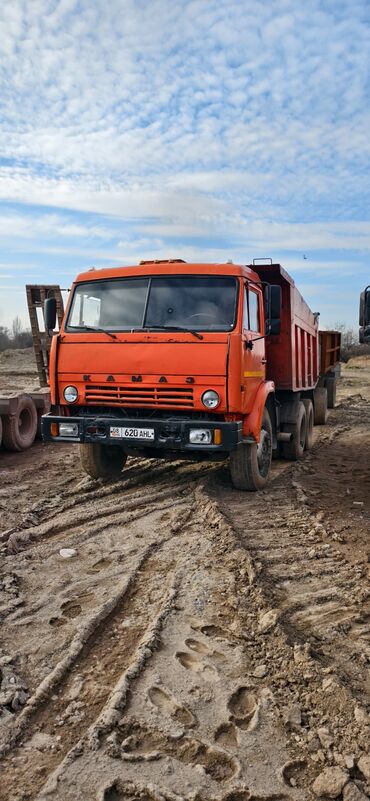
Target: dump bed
{"points": [[293, 355]]}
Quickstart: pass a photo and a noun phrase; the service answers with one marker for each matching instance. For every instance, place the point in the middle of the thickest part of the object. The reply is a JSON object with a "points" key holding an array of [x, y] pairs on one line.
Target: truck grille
{"points": [[113, 395]]}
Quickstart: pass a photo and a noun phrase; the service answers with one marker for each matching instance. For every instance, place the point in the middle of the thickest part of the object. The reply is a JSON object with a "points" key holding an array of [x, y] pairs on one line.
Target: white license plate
{"points": [[131, 433]]}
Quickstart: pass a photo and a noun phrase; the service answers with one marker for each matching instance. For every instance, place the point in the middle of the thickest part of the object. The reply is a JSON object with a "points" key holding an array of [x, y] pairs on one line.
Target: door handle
{"points": [[263, 361]]}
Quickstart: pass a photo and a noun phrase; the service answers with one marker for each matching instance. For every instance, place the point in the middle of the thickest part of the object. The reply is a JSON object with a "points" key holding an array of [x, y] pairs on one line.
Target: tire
{"points": [[331, 387], [308, 405], [102, 461], [320, 405], [250, 464], [1, 431], [294, 450], [19, 430]]}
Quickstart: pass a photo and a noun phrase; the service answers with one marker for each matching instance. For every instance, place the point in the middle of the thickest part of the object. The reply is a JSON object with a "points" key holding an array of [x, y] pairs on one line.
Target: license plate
{"points": [[131, 433]]}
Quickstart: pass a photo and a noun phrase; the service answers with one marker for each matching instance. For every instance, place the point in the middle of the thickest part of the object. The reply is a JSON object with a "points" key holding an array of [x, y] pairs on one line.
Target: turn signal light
{"points": [[217, 436], [54, 430]]}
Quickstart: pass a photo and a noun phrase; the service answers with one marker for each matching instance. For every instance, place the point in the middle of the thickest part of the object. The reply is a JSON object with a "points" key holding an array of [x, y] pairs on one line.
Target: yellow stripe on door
{"points": [[254, 374]]}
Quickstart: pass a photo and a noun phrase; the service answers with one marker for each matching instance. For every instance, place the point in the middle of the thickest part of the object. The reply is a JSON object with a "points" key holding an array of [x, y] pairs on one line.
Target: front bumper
{"points": [[170, 435]]}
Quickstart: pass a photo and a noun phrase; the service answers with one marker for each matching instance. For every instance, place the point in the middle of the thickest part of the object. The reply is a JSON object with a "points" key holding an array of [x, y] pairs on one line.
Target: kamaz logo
{"points": [[136, 378]]}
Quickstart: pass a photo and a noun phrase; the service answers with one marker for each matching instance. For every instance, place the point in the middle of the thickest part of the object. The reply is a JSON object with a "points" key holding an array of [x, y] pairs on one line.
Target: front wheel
{"points": [[102, 461], [250, 464]]}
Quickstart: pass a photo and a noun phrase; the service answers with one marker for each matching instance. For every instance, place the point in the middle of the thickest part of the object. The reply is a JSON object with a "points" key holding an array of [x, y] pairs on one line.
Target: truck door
{"points": [[253, 358]]}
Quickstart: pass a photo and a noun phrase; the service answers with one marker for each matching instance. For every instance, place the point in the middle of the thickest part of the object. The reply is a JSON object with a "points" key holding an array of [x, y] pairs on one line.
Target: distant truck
{"points": [[364, 333], [195, 361]]}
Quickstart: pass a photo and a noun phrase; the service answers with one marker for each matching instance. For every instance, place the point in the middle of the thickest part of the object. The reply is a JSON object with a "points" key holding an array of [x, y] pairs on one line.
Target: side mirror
{"points": [[50, 314]]}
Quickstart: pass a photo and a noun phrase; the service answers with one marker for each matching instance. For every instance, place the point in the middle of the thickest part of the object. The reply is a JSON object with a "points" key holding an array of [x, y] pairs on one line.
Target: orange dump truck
{"points": [[176, 360]]}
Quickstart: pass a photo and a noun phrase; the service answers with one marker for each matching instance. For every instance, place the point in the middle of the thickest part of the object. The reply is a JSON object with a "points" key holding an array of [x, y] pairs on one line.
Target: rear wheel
{"points": [[250, 463], [331, 388], [102, 461], [294, 449], [308, 405], [320, 403]]}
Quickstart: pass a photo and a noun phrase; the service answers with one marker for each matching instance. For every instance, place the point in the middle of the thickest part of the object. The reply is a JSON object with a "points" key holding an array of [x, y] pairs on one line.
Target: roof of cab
{"points": [[168, 267]]}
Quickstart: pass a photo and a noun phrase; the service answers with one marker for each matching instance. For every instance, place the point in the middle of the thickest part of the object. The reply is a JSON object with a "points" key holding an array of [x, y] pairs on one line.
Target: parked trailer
{"points": [[175, 360], [20, 418]]}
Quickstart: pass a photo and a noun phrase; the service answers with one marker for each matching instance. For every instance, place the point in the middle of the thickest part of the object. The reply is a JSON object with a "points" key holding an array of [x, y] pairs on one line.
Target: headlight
{"points": [[70, 394], [210, 399], [68, 429]]}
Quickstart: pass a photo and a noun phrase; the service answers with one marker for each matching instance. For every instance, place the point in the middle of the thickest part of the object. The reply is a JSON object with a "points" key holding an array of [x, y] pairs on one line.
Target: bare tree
{"points": [[17, 327]]}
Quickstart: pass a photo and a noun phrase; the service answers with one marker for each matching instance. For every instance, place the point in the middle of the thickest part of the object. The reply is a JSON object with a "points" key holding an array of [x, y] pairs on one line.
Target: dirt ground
{"points": [[18, 371], [202, 644]]}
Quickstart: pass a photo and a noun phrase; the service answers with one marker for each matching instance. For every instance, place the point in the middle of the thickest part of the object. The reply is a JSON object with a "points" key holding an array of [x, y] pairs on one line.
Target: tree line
{"points": [[15, 337]]}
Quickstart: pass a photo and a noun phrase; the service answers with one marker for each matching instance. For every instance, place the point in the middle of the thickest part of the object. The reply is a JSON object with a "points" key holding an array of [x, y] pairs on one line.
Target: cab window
{"points": [[254, 317], [251, 318]]}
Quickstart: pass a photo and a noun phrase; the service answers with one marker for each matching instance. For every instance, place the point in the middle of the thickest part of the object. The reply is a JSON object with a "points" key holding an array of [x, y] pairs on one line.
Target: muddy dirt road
{"points": [[201, 644]]}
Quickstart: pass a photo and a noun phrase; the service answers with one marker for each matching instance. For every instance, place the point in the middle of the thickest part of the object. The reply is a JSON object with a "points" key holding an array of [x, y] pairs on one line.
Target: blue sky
{"points": [[201, 129]]}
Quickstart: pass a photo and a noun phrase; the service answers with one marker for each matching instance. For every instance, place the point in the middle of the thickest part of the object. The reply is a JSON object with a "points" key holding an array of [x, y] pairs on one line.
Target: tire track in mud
{"points": [[162, 728], [67, 704], [80, 508], [320, 594]]}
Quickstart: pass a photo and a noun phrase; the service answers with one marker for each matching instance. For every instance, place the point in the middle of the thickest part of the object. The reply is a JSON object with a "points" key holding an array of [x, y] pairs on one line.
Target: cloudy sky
{"points": [[201, 129]]}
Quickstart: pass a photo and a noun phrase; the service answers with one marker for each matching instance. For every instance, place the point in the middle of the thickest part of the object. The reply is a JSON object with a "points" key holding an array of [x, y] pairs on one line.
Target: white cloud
{"points": [[140, 127]]}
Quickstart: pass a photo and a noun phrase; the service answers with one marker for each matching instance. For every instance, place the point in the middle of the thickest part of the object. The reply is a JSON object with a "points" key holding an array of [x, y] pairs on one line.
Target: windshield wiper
{"points": [[92, 328], [170, 328]]}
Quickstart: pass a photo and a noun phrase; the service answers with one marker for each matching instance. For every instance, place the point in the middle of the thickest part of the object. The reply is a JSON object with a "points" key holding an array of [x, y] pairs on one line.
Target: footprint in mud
{"points": [[168, 705], [142, 744], [244, 707], [196, 645], [202, 648], [192, 663], [124, 792], [294, 772], [100, 565], [56, 622], [214, 632], [227, 735], [70, 609]]}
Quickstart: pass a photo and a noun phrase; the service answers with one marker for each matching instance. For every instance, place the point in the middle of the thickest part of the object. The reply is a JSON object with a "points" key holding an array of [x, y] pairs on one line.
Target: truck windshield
{"points": [[200, 303]]}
